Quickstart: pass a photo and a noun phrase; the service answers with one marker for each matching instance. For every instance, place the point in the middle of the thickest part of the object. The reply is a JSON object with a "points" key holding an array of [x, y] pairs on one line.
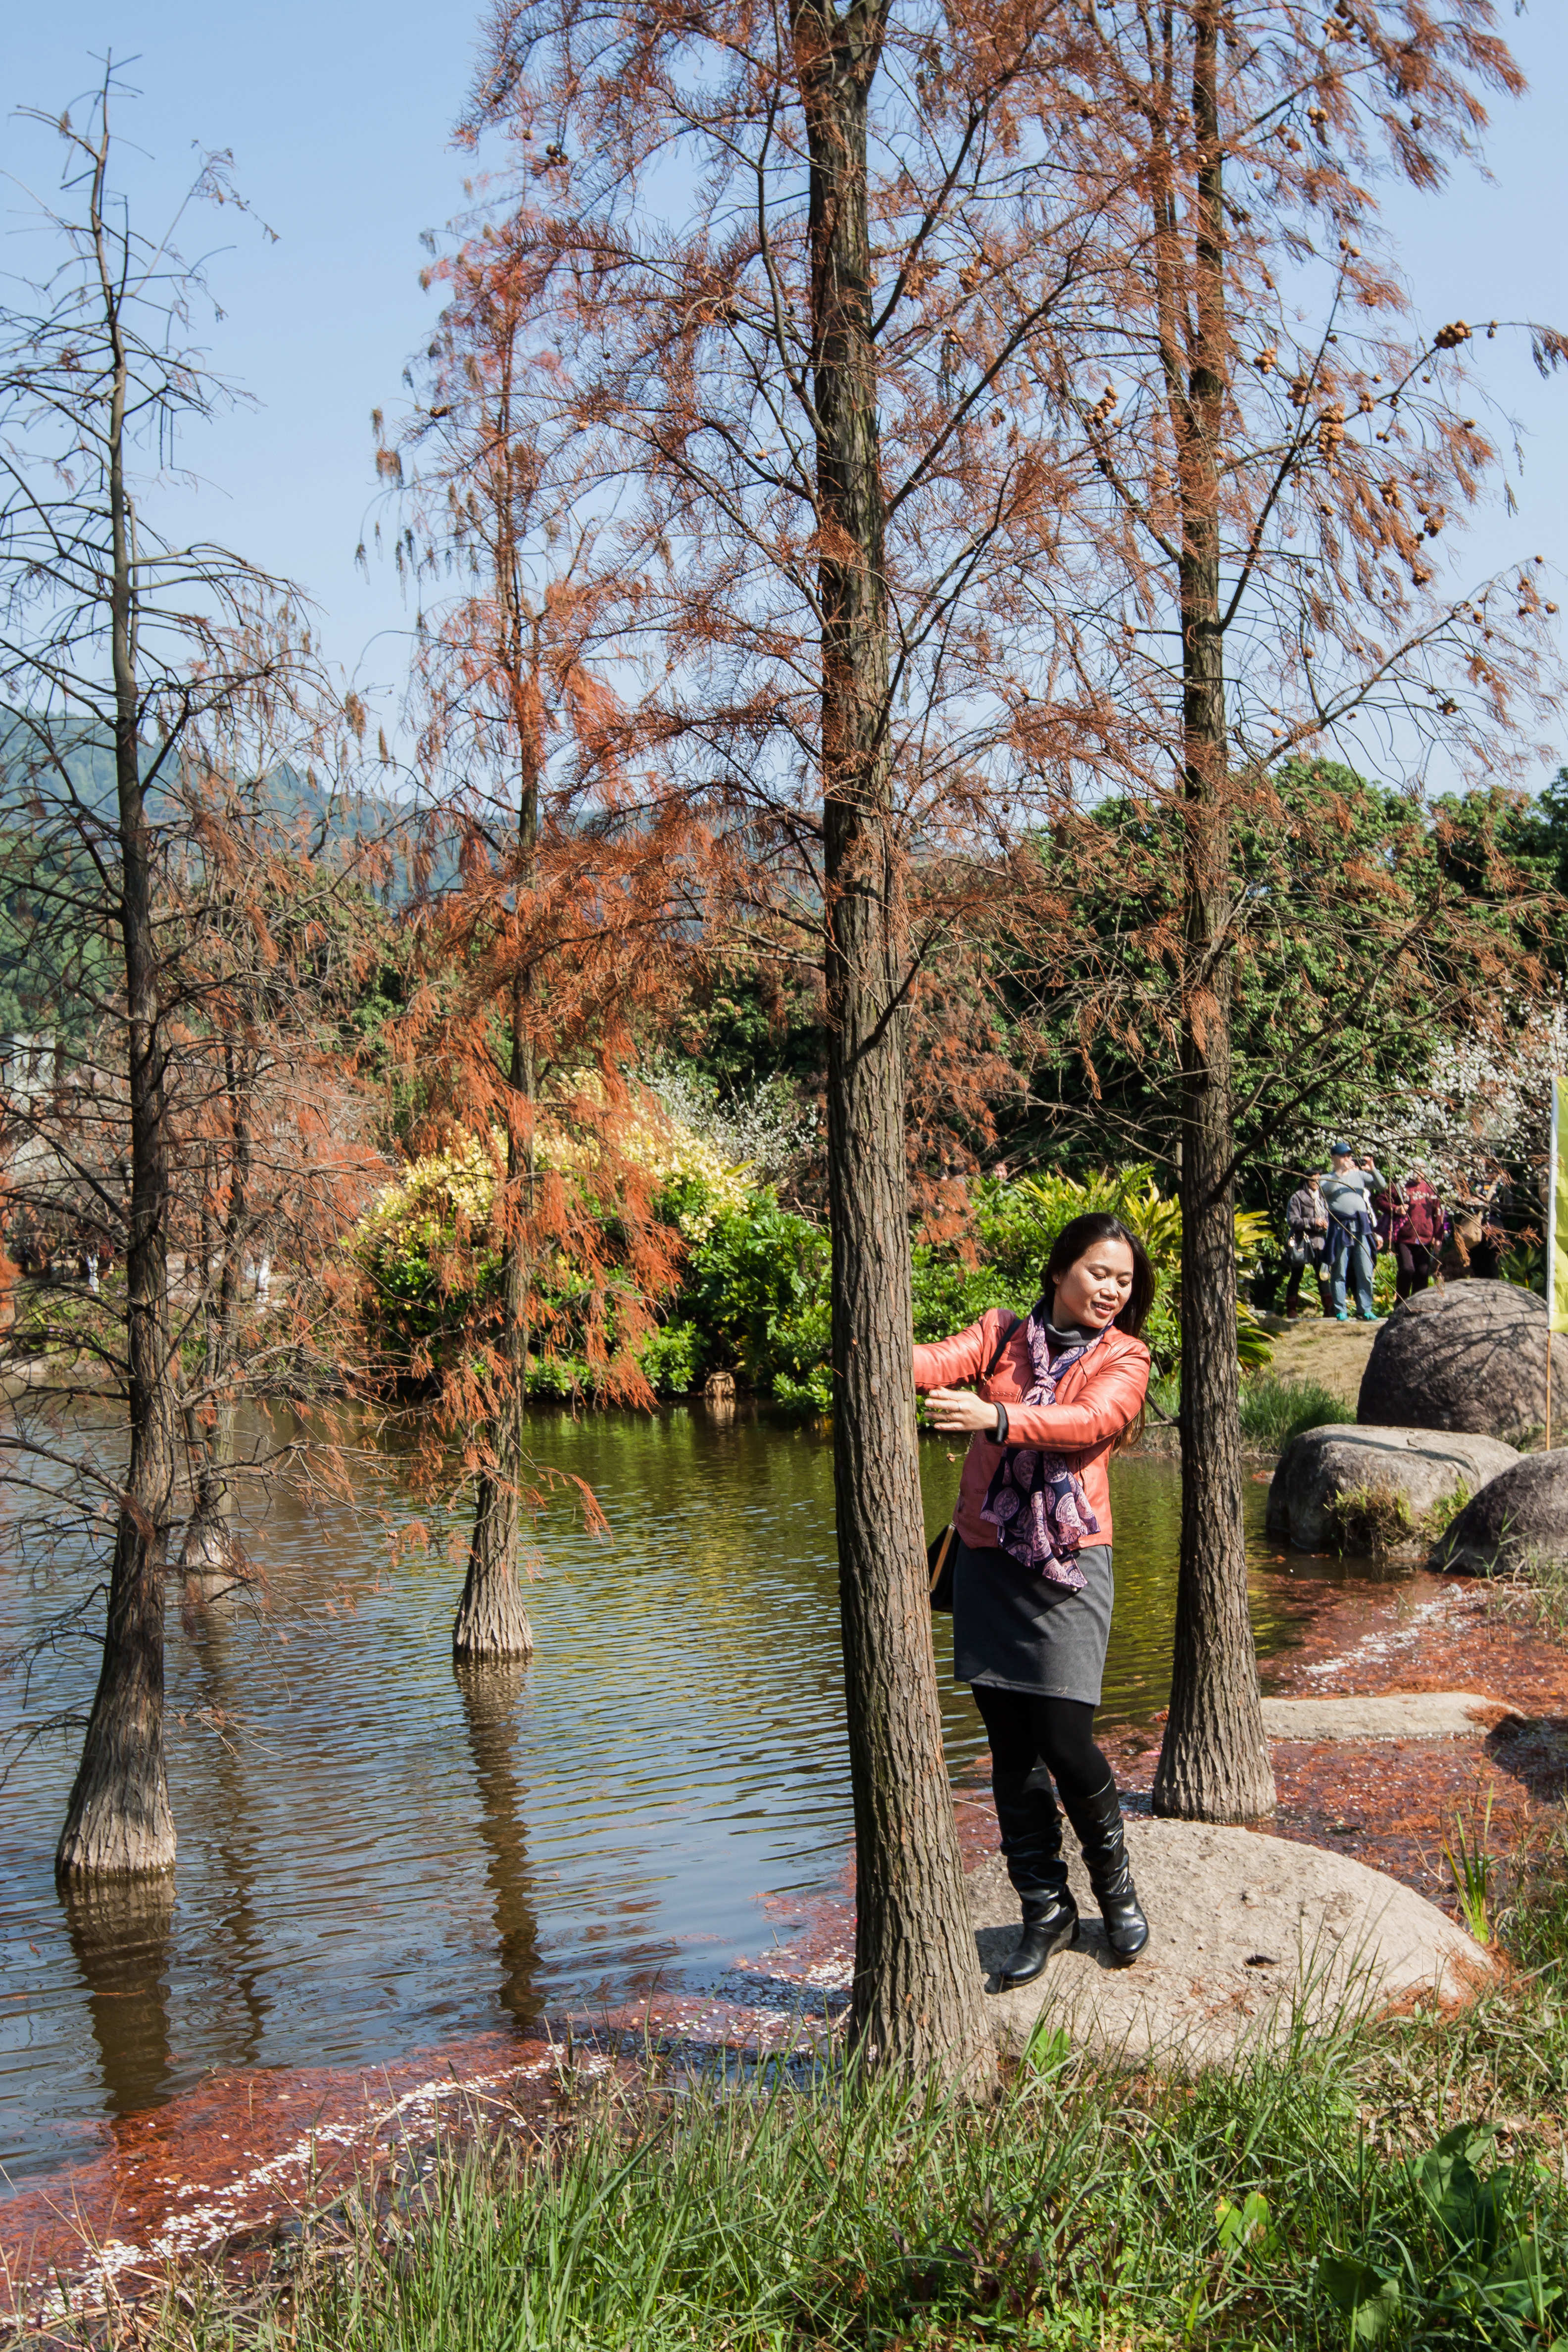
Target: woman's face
{"points": [[1093, 1292]]}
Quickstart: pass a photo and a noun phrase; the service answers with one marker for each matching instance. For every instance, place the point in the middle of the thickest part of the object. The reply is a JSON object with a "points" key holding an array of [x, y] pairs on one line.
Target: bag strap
{"points": [[1003, 1344], [943, 1547], [949, 1532]]}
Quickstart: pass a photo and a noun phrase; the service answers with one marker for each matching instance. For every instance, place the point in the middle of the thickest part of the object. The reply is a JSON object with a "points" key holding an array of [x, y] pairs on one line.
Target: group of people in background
{"points": [[1338, 1223]]}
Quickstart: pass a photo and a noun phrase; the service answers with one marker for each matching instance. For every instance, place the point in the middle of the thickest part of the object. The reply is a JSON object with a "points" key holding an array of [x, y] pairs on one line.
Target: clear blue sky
{"points": [[339, 116]]}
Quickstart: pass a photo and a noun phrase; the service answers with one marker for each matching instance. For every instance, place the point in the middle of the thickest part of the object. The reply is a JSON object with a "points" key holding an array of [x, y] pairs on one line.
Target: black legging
{"points": [[1026, 1730], [1319, 1266], [1416, 1262]]}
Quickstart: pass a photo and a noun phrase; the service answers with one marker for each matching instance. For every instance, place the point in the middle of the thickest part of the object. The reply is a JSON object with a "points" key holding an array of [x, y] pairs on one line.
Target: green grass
{"points": [[1533, 1594], [1274, 1411], [1378, 1519], [1379, 2183]]}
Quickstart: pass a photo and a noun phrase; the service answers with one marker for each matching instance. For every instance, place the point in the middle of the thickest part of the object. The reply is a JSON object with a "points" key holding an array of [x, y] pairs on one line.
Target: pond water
{"points": [[379, 1853]]}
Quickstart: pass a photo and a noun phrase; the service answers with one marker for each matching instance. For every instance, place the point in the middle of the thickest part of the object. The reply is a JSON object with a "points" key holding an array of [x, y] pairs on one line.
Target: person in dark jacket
{"points": [[1032, 1586], [1491, 1198], [1307, 1243]]}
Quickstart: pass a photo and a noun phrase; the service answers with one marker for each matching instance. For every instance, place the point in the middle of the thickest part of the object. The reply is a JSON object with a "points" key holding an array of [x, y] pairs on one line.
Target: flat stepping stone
{"points": [[1399, 1715], [1248, 1932]]}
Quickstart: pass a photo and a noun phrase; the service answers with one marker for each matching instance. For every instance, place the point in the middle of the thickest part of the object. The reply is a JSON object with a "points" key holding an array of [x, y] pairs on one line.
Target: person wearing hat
{"points": [[1347, 1195]]}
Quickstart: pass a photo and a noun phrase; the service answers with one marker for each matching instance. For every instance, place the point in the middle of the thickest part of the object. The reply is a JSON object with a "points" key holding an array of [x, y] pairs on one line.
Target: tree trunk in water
{"points": [[118, 1823], [918, 2000], [1213, 1762], [209, 1556], [209, 1548], [492, 1621]]}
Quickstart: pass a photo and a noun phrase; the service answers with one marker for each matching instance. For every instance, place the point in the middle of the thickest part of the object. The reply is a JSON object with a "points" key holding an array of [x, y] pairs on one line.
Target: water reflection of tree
{"points": [[210, 1630], [119, 1931], [491, 1692]]}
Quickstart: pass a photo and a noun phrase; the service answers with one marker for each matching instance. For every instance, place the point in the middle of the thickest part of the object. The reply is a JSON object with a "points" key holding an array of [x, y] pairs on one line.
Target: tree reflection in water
{"points": [[211, 1604], [490, 1693], [120, 1932]]}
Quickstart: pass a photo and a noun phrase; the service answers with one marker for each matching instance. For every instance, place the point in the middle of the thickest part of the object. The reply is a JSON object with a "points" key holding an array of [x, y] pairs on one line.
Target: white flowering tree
{"points": [[1481, 1101]]}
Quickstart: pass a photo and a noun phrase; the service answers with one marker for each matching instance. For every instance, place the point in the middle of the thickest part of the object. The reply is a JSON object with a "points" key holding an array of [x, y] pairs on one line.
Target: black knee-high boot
{"points": [[1031, 1829], [1098, 1821]]}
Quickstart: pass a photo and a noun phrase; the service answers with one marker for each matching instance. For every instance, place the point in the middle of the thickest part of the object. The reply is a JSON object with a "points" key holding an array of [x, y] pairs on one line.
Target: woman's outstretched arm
{"points": [[945, 1362]]}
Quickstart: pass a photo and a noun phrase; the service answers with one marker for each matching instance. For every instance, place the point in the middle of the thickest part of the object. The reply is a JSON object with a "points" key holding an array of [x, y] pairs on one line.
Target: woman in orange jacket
{"points": [[1054, 1397]]}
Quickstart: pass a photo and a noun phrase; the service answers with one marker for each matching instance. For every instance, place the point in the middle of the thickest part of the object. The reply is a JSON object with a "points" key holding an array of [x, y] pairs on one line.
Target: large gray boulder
{"points": [[1519, 1520], [1253, 1938], [1471, 1357], [1421, 1466]]}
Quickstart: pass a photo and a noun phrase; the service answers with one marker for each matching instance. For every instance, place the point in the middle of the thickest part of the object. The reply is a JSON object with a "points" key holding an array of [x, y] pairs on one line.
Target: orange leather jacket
{"points": [[1100, 1396]]}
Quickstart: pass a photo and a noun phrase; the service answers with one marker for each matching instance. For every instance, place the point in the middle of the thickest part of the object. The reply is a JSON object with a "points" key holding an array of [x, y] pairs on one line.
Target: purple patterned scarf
{"points": [[1037, 1504]]}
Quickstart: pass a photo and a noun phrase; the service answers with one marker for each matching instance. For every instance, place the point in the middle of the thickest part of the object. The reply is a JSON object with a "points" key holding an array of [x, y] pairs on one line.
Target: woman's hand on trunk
{"points": [[957, 1410]]}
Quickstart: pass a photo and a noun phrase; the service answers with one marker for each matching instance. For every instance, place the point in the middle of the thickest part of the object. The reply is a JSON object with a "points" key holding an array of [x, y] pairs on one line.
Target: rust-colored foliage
{"points": [[949, 375], [552, 870]]}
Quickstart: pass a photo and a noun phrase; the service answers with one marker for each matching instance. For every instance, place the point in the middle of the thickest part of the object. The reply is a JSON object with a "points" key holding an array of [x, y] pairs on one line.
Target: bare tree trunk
{"points": [[1214, 1764], [118, 1823], [492, 1621], [209, 1549], [918, 2000]]}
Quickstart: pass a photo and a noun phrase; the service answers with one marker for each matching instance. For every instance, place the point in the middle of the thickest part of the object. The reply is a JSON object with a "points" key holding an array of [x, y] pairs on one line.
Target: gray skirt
{"points": [[1014, 1630]]}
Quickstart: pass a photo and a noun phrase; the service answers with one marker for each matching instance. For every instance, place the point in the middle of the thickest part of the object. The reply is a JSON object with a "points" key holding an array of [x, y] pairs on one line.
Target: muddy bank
{"points": [[1395, 1803]]}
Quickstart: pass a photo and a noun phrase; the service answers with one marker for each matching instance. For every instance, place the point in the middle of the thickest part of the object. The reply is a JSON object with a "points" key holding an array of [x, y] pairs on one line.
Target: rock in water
{"points": [[1471, 1357], [1416, 1467], [1518, 1518]]}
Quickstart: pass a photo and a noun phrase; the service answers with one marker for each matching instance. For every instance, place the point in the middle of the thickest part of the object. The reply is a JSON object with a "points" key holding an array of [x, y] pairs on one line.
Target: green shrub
{"points": [[1384, 1285], [949, 1296], [753, 1301], [672, 1359]]}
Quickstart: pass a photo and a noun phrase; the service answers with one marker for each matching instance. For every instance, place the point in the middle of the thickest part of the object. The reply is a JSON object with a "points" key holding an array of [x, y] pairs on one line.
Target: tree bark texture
{"points": [[118, 1822], [1213, 1762], [209, 1549], [918, 2000], [491, 1619]]}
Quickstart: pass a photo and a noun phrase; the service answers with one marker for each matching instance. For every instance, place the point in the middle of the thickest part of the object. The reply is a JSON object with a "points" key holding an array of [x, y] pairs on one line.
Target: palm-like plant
{"points": [[1018, 1222]]}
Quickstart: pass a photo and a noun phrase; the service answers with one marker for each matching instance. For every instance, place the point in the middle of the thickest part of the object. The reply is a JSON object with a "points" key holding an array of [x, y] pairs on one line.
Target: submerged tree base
{"points": [[113, 1832], [492, 1621]]}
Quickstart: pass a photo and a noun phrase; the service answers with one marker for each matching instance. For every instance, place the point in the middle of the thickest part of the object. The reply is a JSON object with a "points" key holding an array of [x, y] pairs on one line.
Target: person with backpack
{"points": [[1348, 1194], [1055, 1393], [1417, 1235]]}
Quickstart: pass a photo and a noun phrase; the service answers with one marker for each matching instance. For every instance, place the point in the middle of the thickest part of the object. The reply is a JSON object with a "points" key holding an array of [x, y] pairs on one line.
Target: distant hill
{"points": [[319, 821]]}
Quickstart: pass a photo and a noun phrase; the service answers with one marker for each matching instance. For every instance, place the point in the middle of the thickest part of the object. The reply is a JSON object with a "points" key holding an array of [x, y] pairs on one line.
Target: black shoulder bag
{"points": [[939, 1551]]}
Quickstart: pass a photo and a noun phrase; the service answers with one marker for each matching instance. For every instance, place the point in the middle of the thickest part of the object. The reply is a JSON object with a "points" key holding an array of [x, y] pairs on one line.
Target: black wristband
{"points": [[1001, 1424]]}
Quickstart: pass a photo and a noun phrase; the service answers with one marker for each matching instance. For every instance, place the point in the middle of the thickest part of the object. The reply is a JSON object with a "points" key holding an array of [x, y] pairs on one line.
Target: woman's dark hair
{"points": [[1076, 1241]]}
